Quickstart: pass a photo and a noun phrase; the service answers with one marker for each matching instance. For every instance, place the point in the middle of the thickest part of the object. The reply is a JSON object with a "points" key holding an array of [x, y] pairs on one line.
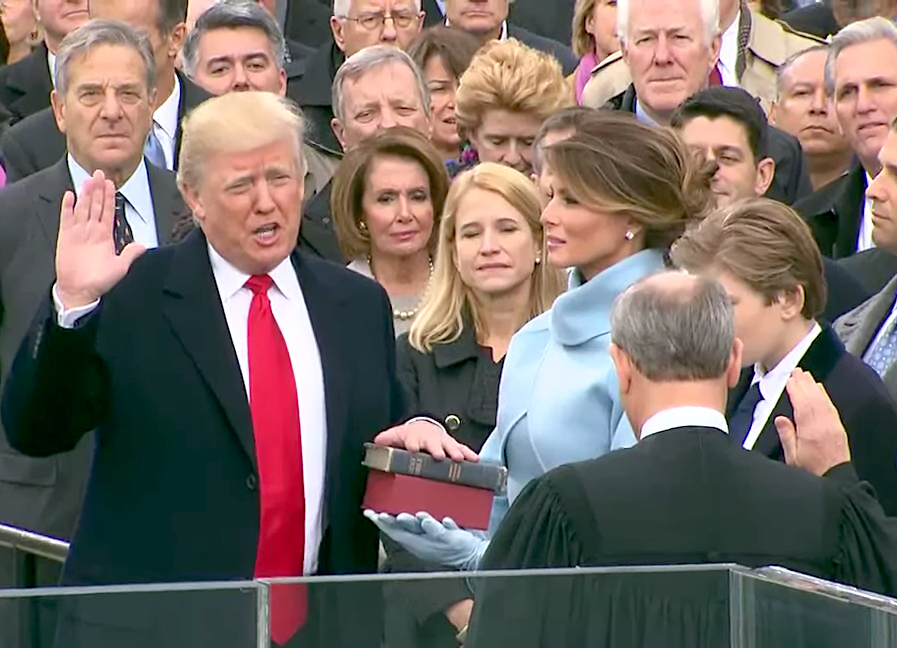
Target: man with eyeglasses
{"points": [[355, 25]]}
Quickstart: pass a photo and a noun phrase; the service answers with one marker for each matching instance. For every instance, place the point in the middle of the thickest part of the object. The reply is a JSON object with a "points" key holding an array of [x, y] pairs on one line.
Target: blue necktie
{"points": [[743, 417], [881, 356], [153, 149]]}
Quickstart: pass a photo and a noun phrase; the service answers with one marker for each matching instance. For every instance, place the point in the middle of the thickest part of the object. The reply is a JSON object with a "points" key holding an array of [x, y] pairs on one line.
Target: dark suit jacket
{"points": [[682, 496], [36, 143], [308, 22], [44, 494], [25, 86], [309, 86], [173, 487], [561, 52], [791, 180], [867, 411], [834, 212], [297, 51], [434, 15], [844, 290], [316, 235], [552, 20], [817, 19], [874, 268]]}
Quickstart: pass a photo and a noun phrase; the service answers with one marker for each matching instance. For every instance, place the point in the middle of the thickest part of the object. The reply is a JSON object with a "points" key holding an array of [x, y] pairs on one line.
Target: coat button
{"points": [[452, 422], [251, 482]]}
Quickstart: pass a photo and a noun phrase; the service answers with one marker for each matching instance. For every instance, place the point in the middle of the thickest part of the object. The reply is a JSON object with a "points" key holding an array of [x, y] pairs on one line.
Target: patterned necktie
{"points": [[274, 405], [121, 231], [882, 355], [153, 149], [743, 417]]}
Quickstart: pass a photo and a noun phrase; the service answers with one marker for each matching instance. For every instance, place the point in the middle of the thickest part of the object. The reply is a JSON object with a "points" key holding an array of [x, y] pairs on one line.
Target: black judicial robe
{"points": [[681, 496]]}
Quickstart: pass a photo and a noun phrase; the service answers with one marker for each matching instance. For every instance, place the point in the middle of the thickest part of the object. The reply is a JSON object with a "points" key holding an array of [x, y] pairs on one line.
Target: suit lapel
{"points": [[849, 209], [49, 200], [193, 309], [32, 80], [324, 310], [739, 390], [859, 327], [168, 206], [191, 96]]}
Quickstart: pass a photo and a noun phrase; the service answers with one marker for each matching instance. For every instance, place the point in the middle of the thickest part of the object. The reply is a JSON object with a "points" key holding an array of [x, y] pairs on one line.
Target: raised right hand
{"points": [[86, 264]]}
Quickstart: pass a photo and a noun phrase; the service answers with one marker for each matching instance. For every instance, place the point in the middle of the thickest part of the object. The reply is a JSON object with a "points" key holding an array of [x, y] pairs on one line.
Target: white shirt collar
{"points": [[643, 116], [136, 189], [230, 280], [678, 417], [51, 63], [728, 53], [166, 115], [772, 382]]}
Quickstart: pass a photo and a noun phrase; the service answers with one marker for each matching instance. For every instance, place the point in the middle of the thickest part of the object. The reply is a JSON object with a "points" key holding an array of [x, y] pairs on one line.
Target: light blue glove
{"points": [[443, 543]]}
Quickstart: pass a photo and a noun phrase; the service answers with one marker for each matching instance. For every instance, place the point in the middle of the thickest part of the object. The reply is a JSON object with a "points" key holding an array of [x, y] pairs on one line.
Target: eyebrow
{"points": [[227, 58]]}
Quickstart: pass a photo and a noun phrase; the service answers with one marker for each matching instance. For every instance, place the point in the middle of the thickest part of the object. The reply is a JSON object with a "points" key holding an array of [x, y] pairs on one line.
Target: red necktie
{"points": [[275, 422], [716, 79]]}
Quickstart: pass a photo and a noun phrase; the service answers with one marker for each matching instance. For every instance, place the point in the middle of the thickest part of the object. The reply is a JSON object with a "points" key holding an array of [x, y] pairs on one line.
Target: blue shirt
{"points": [[559, 399], [138, 201]]}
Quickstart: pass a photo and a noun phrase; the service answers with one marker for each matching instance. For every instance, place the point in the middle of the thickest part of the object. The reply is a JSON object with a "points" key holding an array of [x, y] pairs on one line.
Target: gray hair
{"points": [[785, 67], [863, 31], [675, 333], [371, 58], [709, 16], [94, 34], [341, 7], [233, 14]]}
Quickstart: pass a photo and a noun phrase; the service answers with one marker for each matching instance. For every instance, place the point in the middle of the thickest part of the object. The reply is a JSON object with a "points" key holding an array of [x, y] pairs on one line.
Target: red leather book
{"points": [[405, 482]]}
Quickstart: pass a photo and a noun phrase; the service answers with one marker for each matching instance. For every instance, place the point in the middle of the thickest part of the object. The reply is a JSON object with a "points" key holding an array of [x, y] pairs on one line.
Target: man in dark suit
{"points": [[863, 60], [549, 20], [765, 257], [230, 439], [44, 494], [488, 20], [307, 22], [727, 126], [683, 495], [36, 143], [825, 19], [25, 85]]}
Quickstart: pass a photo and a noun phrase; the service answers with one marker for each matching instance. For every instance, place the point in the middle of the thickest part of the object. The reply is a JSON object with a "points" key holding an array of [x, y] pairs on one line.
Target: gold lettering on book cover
{"points": [[415, 465]]}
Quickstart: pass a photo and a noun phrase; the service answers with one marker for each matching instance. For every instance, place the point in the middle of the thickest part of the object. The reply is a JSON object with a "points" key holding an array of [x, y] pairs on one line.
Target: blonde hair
{"points": [[583, 42], [233, 123], [351, 176], [442, 312], [510, 76]]}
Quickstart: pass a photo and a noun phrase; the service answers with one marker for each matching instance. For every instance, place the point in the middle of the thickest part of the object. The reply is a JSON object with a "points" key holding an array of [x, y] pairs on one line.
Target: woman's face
{"points": [[602, 25], [442, 87], [18, 20], [578, 236], [495, 250], [397, 207], [507, 137]]}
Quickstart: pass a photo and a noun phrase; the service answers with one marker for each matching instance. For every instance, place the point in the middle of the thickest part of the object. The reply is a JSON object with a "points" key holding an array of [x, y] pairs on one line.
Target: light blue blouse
{"points": [[559, 400]]}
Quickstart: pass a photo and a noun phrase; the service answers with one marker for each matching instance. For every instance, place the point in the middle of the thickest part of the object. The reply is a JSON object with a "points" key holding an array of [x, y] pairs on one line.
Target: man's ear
{"points": [[766, 171], [733, 371], [176, 40], [58, 105], [623, 365], [339, 35], [337, 127], [191, 198]]}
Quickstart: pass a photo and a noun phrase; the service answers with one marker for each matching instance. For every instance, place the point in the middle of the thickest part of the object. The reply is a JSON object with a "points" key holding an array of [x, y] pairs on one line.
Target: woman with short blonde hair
{"points": [[505, 94]]}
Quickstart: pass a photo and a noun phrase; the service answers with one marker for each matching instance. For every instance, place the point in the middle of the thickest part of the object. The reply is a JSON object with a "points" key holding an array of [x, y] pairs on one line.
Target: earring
{"points": [[538, 260], [630, 235], [362, 226]]}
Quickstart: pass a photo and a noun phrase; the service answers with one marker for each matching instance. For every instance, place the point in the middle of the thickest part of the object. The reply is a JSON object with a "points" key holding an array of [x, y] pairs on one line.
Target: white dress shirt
{"points": [[165, 123], [51, 63], [291, 313], [139, 208], [772, 384], [728, 53], [678, 417], [864, 239]]}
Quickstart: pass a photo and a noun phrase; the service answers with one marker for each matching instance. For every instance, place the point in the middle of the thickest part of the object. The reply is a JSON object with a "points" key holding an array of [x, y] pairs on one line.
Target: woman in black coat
{"points": [[489, 280]]}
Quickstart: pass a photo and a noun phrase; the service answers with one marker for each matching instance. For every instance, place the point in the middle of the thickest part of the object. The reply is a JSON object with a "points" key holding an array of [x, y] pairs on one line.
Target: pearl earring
{"points": [[538, 260], [630, 235]]}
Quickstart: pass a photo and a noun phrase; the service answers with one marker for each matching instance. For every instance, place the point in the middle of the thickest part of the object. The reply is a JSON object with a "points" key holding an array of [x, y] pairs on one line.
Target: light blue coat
{"points": [[559, 401]]}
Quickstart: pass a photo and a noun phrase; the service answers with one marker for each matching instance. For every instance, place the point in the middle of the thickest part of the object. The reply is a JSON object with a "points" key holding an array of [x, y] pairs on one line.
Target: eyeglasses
{"points": [[372, 21]]}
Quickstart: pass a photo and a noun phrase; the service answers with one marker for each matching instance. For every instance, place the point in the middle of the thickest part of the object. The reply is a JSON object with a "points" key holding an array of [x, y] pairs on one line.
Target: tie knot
{"points": [[119, 200], [259, 284]]}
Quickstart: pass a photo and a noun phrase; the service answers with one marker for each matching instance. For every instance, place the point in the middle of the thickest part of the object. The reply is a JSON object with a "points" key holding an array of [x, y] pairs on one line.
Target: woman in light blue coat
{"points": [[617, 193]]}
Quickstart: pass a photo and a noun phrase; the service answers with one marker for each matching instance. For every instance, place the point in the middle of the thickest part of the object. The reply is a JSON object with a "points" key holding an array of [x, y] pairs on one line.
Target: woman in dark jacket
{"points": [[489, 280]]}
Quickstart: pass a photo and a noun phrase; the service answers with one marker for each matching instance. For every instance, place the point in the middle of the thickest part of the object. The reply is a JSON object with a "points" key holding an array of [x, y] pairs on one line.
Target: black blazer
{"points": [[308, 22], [552, 20], [874, 268], [173, 491], [867, 411], [433, 15], [791, 180], [561, 52], [36, 142], [316, 234], [25, 86], [834, 212], [844, 290], [309, 83], [817, 19]]}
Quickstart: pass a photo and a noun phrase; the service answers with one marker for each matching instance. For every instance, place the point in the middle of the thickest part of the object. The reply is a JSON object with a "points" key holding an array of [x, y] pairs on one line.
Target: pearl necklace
{"points": [[405, 315]]}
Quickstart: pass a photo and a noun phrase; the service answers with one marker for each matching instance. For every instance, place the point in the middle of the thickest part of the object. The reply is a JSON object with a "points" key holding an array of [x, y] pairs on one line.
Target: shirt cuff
{"points": [[68, 318], [427, 419]]}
